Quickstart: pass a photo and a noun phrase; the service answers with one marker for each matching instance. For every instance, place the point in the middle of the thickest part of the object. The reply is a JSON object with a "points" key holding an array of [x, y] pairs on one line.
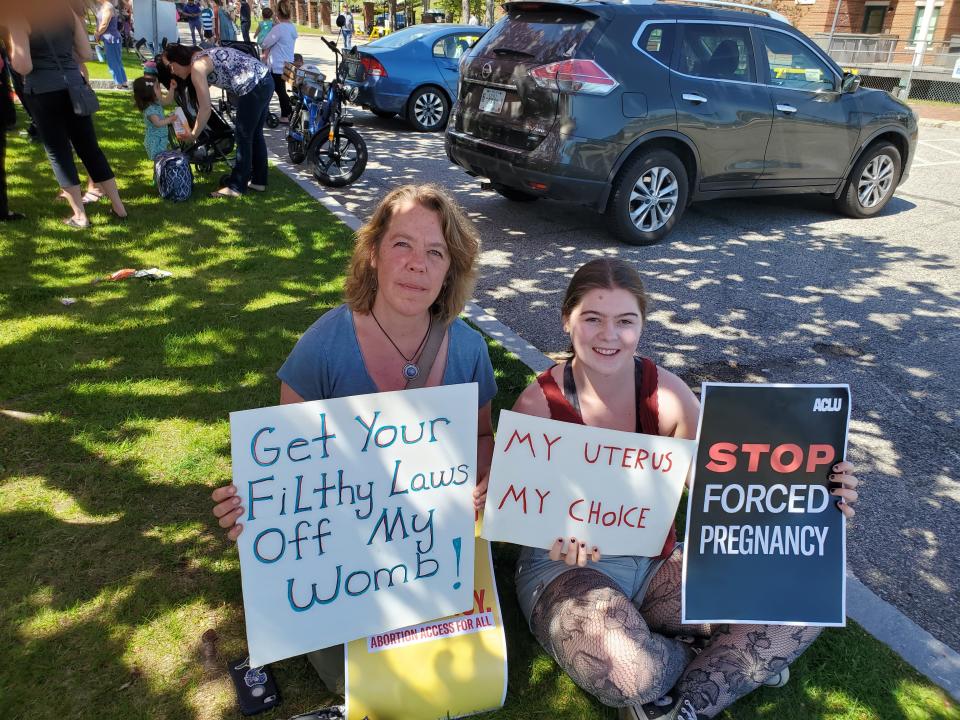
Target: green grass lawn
{"points": [[114, 430], [131, 63]]}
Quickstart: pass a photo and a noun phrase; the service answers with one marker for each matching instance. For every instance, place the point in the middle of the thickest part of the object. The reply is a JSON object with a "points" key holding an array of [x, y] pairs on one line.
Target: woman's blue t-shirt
{"points": [[327, 363]]}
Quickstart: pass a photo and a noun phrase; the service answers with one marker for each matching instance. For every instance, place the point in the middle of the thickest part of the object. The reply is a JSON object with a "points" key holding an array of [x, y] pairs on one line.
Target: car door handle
{"points": [[694, 98], [788, 109]]}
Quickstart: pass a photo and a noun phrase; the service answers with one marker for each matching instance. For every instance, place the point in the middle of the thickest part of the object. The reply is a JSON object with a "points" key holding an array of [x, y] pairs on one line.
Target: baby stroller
{"points": [[228, 101]]}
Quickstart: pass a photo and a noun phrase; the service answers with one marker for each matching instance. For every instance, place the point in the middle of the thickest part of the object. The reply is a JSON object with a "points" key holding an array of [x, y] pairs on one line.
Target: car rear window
{"points": [[400, 37], [656, 40], [541, 35]]}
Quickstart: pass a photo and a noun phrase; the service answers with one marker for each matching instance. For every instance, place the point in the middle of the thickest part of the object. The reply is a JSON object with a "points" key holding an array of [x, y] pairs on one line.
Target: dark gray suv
{"points": [[637, 110]]}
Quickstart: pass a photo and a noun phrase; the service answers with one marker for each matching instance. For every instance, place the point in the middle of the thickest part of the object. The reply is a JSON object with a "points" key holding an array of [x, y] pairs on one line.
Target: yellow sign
{"points": [[444, 668]]}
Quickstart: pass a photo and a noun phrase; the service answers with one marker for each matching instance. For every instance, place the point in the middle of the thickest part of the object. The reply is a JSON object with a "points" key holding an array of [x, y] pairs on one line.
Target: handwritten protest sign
{"points": [[359, 515], [765, 541], [616, 490], [449, 667]]}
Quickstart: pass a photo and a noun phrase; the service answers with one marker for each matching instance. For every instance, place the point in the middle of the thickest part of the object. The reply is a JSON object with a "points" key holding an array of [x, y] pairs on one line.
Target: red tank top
{"points": [[648, 414]]}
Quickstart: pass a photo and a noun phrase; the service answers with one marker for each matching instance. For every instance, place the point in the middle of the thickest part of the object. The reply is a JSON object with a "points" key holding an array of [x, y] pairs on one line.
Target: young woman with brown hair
{"points": [[613, 622]]}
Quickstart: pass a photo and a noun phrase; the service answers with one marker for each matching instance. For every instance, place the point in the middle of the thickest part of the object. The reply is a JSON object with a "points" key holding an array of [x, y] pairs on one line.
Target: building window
{"points": [[918, 18], [873, 17]]}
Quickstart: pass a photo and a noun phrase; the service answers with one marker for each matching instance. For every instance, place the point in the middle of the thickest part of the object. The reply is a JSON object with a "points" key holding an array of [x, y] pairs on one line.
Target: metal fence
{"points": [[890, 63]]}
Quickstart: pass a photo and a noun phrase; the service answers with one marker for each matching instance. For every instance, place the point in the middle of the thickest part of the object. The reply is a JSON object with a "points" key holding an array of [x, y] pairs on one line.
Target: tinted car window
{"points": [[794, 65], [543, 36], [454, 46], [657, 41], [721, 52]]}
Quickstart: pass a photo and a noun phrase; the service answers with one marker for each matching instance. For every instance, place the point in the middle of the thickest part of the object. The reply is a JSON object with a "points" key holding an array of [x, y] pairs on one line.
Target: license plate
{"points": [[491, 100]]}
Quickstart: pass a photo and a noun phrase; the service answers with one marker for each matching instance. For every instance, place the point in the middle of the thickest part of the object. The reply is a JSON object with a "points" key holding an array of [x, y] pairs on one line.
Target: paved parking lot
{"points": [[779, 290]]}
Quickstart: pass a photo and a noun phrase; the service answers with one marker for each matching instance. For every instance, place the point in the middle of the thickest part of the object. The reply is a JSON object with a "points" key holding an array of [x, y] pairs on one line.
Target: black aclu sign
{"points": [[765, 540]]}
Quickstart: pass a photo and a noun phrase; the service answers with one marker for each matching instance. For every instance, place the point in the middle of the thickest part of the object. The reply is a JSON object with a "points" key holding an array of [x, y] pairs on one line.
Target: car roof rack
{"points": [[773, 14]]}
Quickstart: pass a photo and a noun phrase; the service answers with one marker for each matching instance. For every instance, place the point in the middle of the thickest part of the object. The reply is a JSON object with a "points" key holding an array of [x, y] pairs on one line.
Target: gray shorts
{"points": [[535, 571]]}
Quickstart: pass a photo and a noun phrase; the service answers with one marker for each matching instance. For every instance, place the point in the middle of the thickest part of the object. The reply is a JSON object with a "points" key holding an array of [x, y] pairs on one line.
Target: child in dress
{"points": [[149, 99]]}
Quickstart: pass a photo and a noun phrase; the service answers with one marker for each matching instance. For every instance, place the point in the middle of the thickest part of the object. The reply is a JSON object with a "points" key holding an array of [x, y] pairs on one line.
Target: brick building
{"points": [[900, 18]]}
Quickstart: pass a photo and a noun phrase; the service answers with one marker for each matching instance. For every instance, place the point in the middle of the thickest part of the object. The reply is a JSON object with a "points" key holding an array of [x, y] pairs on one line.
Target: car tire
{"points": [[515, 195], [428, 109], [649, 197], [871, 182], [384, 114]]}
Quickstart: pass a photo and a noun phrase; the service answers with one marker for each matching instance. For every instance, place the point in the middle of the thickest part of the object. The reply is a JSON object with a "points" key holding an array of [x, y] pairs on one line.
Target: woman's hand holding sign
{"points": [[575, 552], [228, 510], [843, 485]]}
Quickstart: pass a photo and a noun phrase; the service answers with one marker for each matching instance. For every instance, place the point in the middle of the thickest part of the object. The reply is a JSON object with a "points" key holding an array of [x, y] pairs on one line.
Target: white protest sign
{"points": [[616, 490], [358, 515]]}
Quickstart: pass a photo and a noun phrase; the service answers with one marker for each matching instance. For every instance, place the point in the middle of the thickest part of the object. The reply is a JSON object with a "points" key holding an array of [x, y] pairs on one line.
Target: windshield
{"points": [[399, 38]]}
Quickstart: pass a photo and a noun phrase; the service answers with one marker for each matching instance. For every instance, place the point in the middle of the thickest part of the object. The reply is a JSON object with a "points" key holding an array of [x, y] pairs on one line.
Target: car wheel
{"points": [[428, 109], [649, 196], [871, 183], [516, 195], [385, 114]]}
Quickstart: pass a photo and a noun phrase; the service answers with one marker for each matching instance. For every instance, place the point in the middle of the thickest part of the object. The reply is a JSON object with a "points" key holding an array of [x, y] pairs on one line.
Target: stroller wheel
{"points": [[273, 120]]}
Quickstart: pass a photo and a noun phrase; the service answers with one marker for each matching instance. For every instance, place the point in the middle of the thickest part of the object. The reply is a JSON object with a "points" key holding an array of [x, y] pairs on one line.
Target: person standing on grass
{"points": [[108, 32], [191, 11], [48, 62], [278, 49], [8, 117], [248, 79], [348, 29], [613, 622], [245, 20]]}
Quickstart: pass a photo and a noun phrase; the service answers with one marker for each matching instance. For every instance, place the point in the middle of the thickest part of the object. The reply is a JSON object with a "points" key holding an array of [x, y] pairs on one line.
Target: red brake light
{"points": [[373, 67], [574, 76]]}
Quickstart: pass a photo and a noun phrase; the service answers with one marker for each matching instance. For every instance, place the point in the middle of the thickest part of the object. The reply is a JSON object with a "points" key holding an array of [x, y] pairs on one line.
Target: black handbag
{"points": [[82, 97]]}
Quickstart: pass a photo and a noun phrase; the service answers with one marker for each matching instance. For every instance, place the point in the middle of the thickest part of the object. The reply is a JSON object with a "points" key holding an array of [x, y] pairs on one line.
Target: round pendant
{"points": [[410, 371]]}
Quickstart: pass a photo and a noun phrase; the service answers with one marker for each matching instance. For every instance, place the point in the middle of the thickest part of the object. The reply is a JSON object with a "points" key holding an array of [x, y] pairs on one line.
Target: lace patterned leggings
{"points": [[628, 655]]}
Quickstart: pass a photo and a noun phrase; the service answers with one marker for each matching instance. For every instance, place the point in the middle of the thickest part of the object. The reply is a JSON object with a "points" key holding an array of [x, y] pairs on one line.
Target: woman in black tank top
{"points": [[627, 650]]}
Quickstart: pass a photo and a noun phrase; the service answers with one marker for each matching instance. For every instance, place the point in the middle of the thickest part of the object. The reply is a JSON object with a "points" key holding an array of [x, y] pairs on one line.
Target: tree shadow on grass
{"points": [[114, 429]]}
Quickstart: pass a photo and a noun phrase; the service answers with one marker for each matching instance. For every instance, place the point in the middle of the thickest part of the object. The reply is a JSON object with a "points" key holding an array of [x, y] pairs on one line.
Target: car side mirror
{"points": [[850, 83], [341, 21]]}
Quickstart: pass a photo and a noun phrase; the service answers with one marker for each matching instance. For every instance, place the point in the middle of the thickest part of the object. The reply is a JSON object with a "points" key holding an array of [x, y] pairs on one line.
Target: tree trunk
{"points": [[488, 21], [464, 10], [392, 15]]}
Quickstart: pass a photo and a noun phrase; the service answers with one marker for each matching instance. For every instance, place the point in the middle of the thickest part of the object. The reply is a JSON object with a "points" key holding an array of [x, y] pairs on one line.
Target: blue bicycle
{"points": [[319, 132]]}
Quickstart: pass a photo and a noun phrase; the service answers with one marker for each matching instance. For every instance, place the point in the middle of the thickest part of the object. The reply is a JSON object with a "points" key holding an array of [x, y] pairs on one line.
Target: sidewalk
{"points": [[938, 114]]}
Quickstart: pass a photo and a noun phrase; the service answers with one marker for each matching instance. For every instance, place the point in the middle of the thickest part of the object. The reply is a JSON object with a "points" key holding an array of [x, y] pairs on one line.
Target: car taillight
{"points": [[373, 66], [574, 76]]}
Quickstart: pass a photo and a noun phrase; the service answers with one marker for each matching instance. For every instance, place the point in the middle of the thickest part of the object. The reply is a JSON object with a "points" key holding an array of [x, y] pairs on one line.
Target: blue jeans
{"points": [[113, 49], [251, 114], [347, 40]]}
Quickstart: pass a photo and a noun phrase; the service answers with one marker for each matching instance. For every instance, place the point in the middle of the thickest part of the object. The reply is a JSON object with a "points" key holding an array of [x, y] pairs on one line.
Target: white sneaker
{"points": [[778, 680]]}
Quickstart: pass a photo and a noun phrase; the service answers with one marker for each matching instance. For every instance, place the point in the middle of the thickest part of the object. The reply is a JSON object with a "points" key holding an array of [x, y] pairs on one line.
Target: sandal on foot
{"points": [[91, 196], [74, 223], [224, 194]]}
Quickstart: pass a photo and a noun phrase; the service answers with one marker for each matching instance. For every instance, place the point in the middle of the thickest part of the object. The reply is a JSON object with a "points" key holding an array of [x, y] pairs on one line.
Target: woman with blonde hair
{"points": [[412, 272]]}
